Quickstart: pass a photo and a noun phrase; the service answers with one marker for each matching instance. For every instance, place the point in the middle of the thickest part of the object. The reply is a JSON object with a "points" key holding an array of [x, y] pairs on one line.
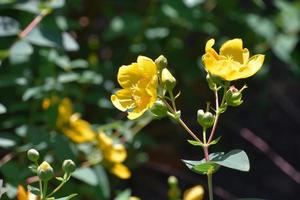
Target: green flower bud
{"points": [[33, 155], [168, 79], [161, 62], [68, 166], [159, 109], [45, 171], [212, 81], [205, 119], [172, 181], [233, 96]]}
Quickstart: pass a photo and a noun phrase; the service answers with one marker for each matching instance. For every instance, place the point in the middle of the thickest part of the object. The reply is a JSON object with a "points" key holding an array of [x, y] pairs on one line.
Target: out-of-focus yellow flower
{"points": [[232, 62], [120, 171], [194, 193], [134, 198], [72, 125], [22, 194], [139, 83], [114, 154]]}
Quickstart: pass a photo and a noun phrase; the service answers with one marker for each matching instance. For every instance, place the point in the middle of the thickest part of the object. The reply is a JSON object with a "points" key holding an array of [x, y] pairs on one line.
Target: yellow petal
{"points": [[79, 131], [22, 194], [245, 55], [136, 113], [116, 153], [194, 193], [233, 49], [122, 99], [209, 44], [254, 64], [147, 66], [104, 141], [129, 75], [121, 171], [65, 110]]}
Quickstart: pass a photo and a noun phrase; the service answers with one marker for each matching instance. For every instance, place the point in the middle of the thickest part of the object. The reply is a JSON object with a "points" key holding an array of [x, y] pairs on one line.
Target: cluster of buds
{"points": [[45, 171]]}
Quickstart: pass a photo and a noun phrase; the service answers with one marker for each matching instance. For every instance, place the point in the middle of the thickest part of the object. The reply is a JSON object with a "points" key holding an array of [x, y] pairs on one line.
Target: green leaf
{"points": [[69, 43], [103, 182], [67, 197], [6, 142], [191, 163], [205, 168], [236, 159], [86, 175], [8, 26], [124, 195], [195, 143], [21, 48], [33, 190], [61, 179], [283, 45], [2, 109], [215, 141]]}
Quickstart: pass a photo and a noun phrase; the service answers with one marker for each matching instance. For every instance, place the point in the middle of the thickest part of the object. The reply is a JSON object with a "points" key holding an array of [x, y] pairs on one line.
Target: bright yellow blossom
{"points": [[139, 83], [120, 171], [232, 62], [25, 195], [114, 154], [72, 125], [194, 193]]}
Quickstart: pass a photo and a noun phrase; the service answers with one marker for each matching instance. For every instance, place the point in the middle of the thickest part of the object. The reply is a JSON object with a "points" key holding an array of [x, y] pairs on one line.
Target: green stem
{"points": [[56, 189], [44, 193], [210, 186]]}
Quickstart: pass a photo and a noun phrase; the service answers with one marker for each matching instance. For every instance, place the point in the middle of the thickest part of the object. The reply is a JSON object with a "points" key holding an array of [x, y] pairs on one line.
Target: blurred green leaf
{"points": [[103, 182], [8, 26], [6, 142], [21, 48], [69, 43], [86, 175], [67, 197], [283, 45], [33, 190], [124, 195], [206, 168], [2, 109]]}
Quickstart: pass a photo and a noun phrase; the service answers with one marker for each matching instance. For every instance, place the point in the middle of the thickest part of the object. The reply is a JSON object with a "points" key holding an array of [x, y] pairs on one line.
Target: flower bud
{"points": [[68, 166], [212, 81], [45, 171], [159, 109], [33, 155], [172, 181], [233, 96], [161, 62], [196, 192], [205, 119], [168, 79]]}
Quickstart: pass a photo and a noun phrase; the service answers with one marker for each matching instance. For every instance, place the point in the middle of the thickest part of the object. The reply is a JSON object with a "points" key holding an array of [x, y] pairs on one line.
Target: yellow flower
{"points": [[120, 171], [232, 62], [71, 125], [114, 154], [139, 83], [25, 195], [79, 130], [194, 193]]}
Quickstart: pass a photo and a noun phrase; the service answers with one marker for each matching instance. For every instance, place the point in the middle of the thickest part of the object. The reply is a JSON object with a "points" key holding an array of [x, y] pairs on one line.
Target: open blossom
{"points": [[114, 154], [70, 123], [232, 62], [139, 83]]}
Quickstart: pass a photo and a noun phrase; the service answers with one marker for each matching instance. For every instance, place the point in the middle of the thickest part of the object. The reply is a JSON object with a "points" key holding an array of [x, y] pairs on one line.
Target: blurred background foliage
{"points": [[75, 52]]}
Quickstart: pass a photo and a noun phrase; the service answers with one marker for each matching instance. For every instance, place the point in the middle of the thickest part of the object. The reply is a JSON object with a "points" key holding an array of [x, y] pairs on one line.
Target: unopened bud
{"points": [[172, 181], [159, 109], [205, 119], [45, 171], [168, 79], [233, 96], [212, 81], [33, 155], [161, 62], [68, 166]]}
